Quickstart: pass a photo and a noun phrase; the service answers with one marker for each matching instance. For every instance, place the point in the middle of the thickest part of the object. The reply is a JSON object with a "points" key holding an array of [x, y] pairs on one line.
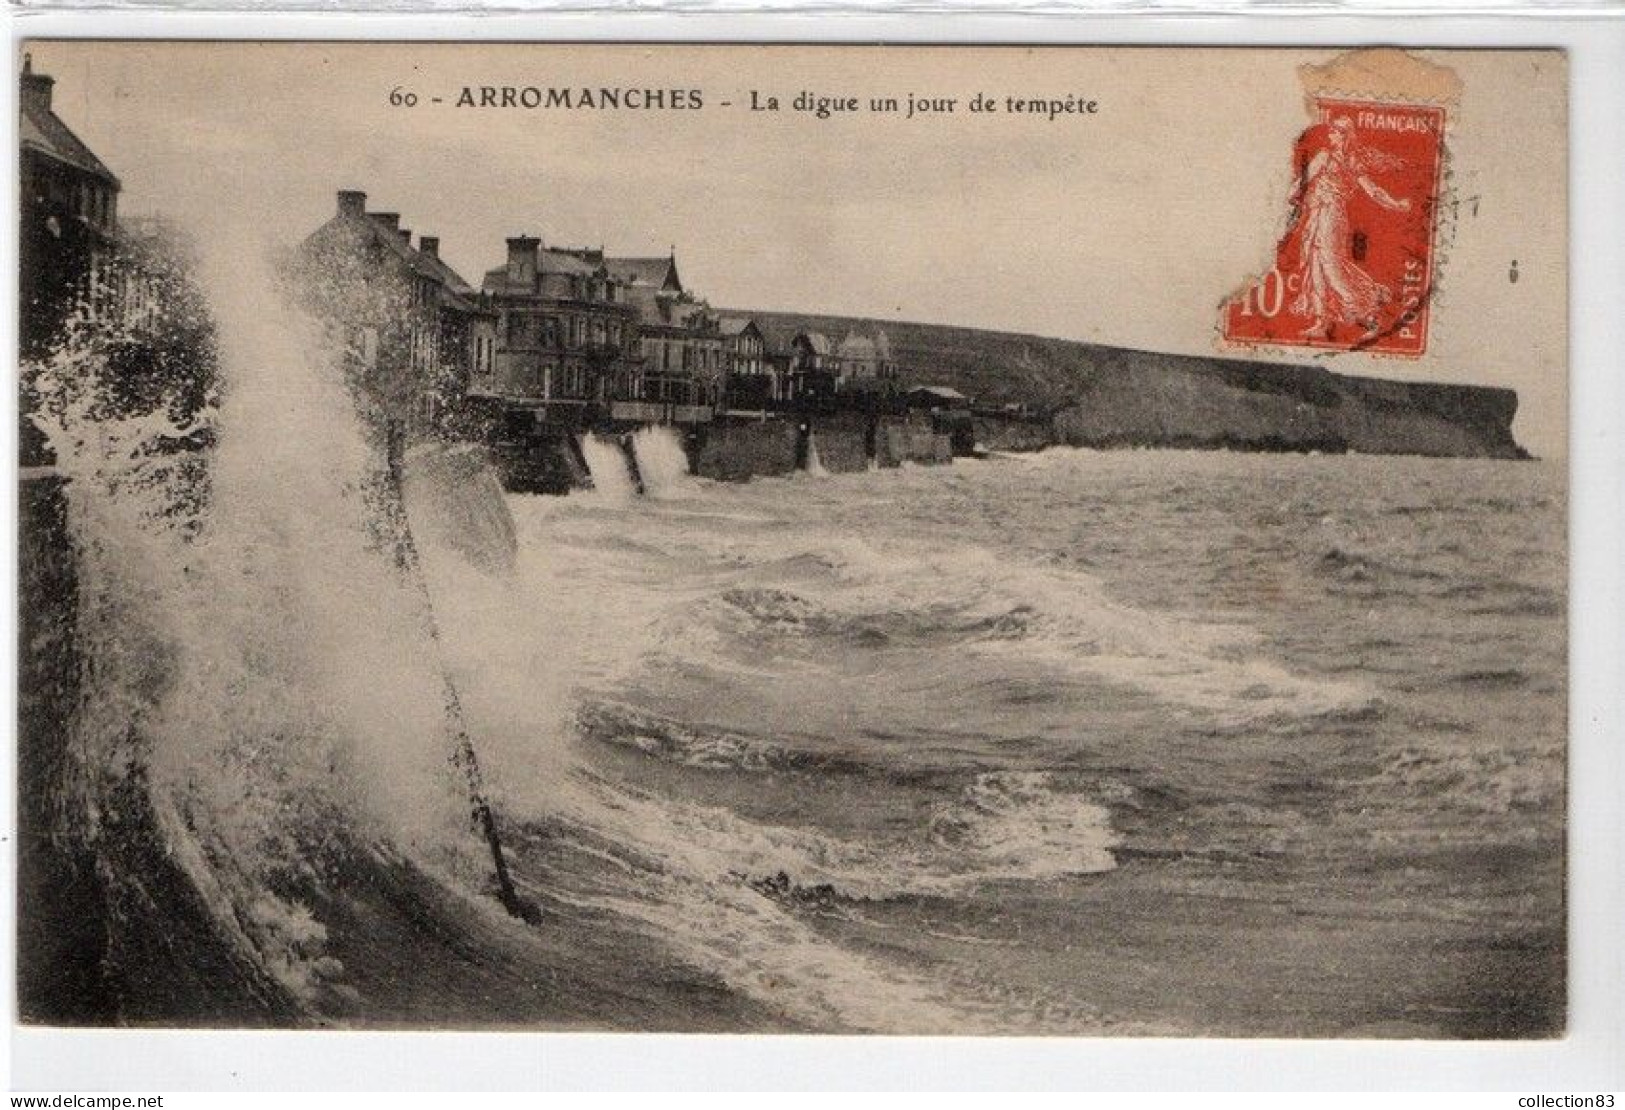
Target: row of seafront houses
{"points": [[554, 342], [558, 341], [576, 336]]}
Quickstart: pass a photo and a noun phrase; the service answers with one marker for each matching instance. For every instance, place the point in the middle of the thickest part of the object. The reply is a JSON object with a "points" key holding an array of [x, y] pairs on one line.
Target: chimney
{"points": [[430, 245], [522, 259], [36, 87], [391, 221], [406, 235], [352, 202]]}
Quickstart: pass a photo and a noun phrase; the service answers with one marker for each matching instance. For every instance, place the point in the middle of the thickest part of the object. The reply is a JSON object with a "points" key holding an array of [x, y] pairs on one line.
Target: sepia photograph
{"points": [[828, 539]]}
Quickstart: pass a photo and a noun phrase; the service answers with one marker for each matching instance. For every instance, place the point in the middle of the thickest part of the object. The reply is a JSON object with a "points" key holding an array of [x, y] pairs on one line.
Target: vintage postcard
{"points": [[821, 539]]}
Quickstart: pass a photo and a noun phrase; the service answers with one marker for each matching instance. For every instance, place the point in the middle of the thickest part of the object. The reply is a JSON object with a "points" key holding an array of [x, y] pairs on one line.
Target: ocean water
{"points": [[1124, 743], [1142, 742]]}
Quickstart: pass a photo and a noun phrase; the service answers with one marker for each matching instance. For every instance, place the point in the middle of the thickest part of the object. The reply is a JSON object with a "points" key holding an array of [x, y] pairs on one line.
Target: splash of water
{"points": [[258, 667], [661, 461], [815, 465], [607, 464]]}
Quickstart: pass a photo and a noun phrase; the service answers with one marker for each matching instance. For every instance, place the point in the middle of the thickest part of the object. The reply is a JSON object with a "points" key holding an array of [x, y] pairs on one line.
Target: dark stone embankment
{"points": [[736, 450], [110, 930], [60, 912], [1115, 397]]}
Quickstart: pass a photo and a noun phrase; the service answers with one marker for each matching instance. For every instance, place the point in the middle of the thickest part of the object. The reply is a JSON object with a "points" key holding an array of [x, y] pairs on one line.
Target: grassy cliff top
{"points": [[996, 368]]}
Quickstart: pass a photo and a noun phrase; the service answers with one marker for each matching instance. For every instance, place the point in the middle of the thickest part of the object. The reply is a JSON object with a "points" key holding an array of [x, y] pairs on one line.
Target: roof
{"points": [[547, 262], [940, 391], [660, 273], [564, 262], [673, 312], [857, 346], [435, 267], [458, 292], [818, 341], [43, 131], [738, 325], [428, 265]]}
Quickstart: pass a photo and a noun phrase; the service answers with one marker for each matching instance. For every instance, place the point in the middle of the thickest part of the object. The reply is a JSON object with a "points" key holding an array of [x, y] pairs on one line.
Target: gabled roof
{"points": [[671, 312], [436, 267], [738, 325], [818, 341], [457, 291], [430, 266], [42, 131], [657, 273]]}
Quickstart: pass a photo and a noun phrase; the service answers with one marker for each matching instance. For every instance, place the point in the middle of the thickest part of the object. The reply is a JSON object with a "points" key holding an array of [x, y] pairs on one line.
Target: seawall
{"points": [[110, 930], [738, 450], [61, 916], [1117, 398]]}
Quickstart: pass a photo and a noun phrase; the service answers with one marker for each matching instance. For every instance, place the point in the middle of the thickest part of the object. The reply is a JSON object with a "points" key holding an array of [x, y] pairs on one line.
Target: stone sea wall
{"points": [[736, 452], [844, 442]]}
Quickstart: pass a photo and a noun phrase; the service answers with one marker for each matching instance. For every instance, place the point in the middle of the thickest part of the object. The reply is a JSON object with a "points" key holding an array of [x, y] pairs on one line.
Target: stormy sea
{"points": [[1140, 743]]}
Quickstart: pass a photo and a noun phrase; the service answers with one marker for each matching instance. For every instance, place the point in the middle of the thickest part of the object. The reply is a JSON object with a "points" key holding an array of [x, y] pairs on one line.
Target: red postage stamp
{"points": [[1355, 268]]}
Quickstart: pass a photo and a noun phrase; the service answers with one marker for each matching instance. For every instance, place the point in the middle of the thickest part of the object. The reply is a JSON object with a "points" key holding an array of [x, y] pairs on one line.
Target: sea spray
{"points": [[815, 465], [259, 677], [662, 461], [607, 463]]}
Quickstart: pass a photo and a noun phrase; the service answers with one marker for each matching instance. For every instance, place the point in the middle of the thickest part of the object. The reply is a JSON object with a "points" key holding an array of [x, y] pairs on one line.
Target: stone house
{"points": [[418, 337], [69, 220], [567, 334], [680, 336]]}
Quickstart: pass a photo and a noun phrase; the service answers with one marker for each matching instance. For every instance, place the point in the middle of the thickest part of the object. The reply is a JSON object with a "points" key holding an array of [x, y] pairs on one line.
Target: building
{"points": [[682, 346], [936, 397], [864, 365], [419, 337], [680, 337], [814, 369], [566, 332], [69, 221], [130, 290], [749, 382]]}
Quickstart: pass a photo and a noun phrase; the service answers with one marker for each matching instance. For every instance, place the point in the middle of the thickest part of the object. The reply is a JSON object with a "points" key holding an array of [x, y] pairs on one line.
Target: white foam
{"points": [[606, 462], [662, 463]]}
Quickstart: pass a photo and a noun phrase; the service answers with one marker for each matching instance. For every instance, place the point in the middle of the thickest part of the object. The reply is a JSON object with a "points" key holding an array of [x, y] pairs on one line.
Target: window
{"points": [[521, 330]]}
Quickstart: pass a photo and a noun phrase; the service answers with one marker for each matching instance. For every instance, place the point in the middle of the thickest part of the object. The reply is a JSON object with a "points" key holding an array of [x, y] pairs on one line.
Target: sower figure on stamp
{"points": [[1333, 289]]}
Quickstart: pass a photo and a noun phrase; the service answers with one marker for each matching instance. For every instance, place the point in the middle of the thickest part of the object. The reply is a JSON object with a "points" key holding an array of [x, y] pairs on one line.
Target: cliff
{"points": [[1111, 396]]}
